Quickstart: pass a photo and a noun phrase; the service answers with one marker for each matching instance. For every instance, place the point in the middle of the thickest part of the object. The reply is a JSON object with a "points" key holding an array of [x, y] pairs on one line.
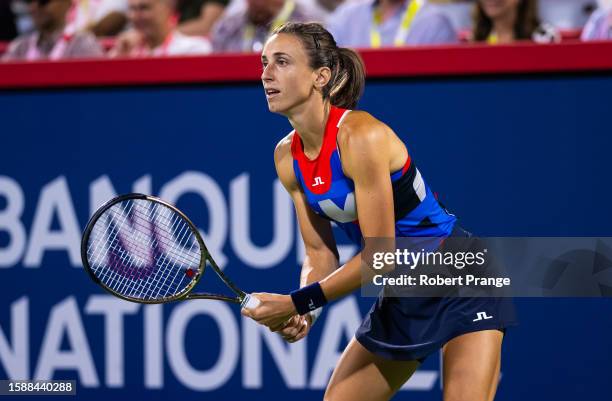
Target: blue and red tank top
{"points": [[331, 194]]}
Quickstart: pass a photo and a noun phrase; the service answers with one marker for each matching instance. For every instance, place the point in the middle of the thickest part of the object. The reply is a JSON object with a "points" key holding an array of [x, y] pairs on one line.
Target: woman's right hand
{"points": [[297, 328]]}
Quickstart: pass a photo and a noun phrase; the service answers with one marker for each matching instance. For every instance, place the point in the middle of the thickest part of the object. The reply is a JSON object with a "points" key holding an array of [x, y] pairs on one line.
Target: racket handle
{"points": [[250, 302]]}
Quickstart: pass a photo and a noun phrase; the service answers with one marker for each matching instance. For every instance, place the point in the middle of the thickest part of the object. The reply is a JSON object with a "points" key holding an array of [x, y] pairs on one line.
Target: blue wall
{"points": [[510, 156]]}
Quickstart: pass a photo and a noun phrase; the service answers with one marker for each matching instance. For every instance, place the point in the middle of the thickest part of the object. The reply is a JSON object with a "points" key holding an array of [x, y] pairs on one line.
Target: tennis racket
{"points": [[142, 249]]}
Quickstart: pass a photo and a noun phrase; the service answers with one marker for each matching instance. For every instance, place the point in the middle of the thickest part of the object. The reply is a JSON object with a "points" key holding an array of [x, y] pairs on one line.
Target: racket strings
{"points": [[165, 282], [159, 281], [142, 249], [147, 242], [115, 279], [152, 288], [114, 273]]}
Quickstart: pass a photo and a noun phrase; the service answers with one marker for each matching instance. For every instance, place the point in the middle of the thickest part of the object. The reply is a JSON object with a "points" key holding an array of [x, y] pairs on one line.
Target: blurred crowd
{"points": [[60, 29]]}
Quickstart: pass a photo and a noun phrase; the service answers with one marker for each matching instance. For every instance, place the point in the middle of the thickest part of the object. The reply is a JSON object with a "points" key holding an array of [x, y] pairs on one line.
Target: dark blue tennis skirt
{"points": [[413, 328]]}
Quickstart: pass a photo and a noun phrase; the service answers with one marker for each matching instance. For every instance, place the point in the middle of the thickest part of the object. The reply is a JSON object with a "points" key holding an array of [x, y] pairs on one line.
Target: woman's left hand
{"points": [[273, 311]]}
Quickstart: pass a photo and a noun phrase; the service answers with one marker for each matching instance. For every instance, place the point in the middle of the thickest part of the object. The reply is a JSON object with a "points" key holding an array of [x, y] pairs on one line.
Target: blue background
{"points": [[511, 156]]}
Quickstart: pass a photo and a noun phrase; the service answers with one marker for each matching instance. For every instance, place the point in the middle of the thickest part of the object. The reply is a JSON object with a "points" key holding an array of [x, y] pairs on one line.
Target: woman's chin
{"points": [[275, 108]]}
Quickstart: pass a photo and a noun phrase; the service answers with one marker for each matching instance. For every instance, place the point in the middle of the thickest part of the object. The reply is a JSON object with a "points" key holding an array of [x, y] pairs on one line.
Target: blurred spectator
{"points": [[330, 5], [23, 19], [599, 26], [196, 17], [370, 23], [50, 41], [154, 33], [504, 21], [8, 29], [246, 29], [566, 14], [320, 9], [101, 17], [459, 12]]}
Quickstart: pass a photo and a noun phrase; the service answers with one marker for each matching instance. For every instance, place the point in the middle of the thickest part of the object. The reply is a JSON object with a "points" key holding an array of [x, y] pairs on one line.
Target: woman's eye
{"points": [[282, 62]]}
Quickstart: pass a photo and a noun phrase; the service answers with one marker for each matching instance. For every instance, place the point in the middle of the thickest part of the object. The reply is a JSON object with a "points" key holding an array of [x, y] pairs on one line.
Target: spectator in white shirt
{"points": [[154, 33]]}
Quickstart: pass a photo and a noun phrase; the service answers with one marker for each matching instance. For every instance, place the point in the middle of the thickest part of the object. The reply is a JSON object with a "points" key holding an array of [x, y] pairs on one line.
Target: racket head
{"points": [[143, 249]]}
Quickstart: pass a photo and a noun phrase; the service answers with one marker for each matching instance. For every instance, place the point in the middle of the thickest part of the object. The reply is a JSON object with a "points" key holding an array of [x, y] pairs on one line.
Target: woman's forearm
{"points": [[345, 279], [316, 268]]}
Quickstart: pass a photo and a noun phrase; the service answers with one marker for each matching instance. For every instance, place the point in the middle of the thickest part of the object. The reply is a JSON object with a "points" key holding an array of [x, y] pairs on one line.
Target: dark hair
{"points": [[527, 21], [348, 73]]}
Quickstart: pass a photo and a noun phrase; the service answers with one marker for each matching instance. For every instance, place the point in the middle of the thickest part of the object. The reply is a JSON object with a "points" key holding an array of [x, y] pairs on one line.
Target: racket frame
{"points": [[186, 294]]}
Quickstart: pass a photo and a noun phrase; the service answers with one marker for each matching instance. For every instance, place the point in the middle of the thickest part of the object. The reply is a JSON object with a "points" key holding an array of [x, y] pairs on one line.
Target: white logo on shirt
{"points": [[345, 215], [318, 182]]}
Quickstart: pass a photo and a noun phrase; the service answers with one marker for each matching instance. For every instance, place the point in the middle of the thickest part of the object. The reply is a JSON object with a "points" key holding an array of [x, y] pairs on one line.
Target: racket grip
{"points": [[250, 302]]}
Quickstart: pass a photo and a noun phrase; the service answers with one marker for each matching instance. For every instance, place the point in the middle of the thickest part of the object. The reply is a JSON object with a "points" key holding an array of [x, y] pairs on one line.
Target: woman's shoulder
{"points": [[283, 161], [360, 127], [282, 151], [359, 120], [366, 144]]}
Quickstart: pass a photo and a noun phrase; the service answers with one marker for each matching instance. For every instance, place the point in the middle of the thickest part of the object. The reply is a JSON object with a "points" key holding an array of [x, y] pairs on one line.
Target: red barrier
{"points": [[524, 58]]}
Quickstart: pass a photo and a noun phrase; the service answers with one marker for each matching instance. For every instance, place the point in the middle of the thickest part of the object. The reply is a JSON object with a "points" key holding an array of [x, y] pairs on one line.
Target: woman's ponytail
{"points": [[347, 86]]}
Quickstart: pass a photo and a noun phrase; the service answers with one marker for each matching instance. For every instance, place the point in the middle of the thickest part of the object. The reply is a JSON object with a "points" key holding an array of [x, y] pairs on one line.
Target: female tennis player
{"points": [[348, 167]]}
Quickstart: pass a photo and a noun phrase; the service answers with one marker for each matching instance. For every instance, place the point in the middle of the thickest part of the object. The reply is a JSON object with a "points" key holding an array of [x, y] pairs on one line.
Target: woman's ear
{"points": [[322, 77]]}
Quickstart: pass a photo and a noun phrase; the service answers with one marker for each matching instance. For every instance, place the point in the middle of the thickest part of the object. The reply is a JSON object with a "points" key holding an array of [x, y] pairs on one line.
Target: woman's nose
{"points": [[265, 74]]}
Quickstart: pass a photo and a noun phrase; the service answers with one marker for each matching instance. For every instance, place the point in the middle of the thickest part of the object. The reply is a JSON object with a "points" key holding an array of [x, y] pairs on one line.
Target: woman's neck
{"points": [[503, 26], [309, 121]]}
